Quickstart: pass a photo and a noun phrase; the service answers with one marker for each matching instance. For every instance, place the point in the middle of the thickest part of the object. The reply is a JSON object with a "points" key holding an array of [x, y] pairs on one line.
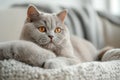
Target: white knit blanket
{"points": [[109, 69]]}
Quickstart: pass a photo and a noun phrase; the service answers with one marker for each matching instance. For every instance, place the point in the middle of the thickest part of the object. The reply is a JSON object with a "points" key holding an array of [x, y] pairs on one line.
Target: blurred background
{"points": [[94, 20]]}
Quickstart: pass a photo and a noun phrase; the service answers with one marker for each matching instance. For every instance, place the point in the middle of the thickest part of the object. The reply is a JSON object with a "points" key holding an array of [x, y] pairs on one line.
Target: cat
{"points": [[45, 35]]}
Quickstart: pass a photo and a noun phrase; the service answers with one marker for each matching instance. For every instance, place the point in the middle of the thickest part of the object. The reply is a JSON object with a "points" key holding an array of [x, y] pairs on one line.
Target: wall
{"points": [[11, 22]]}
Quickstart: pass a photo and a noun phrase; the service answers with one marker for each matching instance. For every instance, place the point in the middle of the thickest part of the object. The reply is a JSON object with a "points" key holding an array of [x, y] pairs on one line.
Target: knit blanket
{"points": [[108, 69]]}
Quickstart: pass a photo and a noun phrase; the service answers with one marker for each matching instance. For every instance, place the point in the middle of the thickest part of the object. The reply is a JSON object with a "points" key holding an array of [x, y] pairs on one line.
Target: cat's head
{"points": [[45, 29]]}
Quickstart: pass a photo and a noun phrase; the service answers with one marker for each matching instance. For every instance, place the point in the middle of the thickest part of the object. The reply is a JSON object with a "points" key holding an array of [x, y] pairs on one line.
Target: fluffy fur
{"points": [[58, 51]]}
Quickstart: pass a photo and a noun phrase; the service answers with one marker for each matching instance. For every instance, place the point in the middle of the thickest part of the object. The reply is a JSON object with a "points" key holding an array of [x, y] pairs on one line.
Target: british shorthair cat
{"points": [[45, 42]]}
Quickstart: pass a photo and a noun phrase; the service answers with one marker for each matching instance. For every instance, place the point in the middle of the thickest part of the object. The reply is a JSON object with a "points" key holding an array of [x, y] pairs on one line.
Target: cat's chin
{"points": [[49, 46]]}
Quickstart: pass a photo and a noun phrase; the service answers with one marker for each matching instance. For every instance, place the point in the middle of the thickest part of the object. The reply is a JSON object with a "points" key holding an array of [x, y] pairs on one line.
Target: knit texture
{"points": [[109, 69]]}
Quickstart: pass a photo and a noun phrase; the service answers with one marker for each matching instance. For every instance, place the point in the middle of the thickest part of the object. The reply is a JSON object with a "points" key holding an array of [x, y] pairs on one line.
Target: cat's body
{"points": [[83, 49], [49, 32]]}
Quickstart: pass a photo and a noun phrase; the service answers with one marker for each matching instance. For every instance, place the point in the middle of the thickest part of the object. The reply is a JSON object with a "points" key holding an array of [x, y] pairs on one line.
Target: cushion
{"points": [[108, 69]]}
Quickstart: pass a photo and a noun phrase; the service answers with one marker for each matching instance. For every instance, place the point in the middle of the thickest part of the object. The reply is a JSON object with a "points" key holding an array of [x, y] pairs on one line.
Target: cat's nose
{"points": [[50, 36]]}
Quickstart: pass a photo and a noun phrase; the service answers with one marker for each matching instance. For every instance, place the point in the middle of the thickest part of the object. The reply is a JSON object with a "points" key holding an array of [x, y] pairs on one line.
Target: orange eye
{"points": [[58, 30], [42, 29]]}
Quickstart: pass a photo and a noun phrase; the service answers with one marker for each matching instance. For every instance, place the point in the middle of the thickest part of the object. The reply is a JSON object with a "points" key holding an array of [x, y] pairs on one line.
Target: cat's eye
{"points": [[42, 29], [58, 30]]}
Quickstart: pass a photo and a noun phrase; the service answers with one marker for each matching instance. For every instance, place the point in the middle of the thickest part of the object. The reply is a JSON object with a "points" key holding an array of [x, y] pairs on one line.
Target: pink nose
{"points": [[50, 36]]}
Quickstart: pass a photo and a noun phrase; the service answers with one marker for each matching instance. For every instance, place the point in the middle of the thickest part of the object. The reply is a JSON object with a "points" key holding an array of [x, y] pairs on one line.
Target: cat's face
{"points": [[45, 29]]}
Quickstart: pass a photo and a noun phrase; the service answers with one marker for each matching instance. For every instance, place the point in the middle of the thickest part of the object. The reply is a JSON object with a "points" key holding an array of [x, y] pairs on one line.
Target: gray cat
{"points": [[46, 42]]}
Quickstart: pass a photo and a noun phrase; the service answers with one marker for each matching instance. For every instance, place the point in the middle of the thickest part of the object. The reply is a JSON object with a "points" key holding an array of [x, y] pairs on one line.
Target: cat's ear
{"points": [[61, 15], [32, 12]]}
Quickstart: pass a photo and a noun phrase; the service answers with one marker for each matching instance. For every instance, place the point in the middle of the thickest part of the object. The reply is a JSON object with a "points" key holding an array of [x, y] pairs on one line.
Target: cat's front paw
{"points": [[53, 64]]}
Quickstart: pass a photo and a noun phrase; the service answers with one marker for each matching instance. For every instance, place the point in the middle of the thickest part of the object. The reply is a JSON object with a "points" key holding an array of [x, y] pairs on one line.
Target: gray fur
{"points": [[25, 51], [50, 21], [69, 50]]}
